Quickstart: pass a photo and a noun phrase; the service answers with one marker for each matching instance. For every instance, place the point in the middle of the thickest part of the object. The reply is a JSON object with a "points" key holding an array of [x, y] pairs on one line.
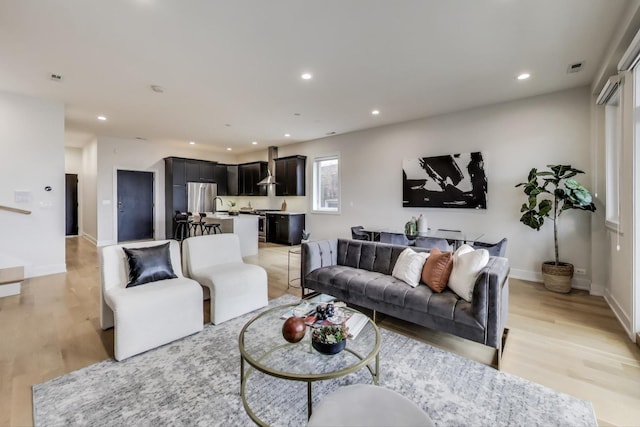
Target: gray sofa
{"points": [[359, 272]]}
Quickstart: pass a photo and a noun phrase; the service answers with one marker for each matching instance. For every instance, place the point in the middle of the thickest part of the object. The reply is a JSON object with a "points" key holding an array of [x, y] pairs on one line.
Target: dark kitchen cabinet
{"points": [[175, 194], [249, 174], [285, 228], [220, 177], [193, 170], [208, 172], [290, 176], [232, 180], [175, 171]]}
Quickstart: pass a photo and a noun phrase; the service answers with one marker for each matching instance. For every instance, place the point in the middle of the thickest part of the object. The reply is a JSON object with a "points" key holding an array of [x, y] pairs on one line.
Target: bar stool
{"points": [[182, 226], [213, 227], [209, 226], [197, 224]]}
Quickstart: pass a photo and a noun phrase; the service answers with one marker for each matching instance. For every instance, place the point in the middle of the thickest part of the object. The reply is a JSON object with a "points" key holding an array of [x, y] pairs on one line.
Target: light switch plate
{"points": [[21, 196]]}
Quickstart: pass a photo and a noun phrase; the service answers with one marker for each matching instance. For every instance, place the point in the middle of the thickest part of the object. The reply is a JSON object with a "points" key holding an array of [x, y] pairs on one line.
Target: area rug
{"points": [[195, 381]]}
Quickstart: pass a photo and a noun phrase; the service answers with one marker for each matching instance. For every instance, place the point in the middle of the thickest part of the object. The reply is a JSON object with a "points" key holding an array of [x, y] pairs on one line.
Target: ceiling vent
{"points": [[55, 77], [574, 68]]}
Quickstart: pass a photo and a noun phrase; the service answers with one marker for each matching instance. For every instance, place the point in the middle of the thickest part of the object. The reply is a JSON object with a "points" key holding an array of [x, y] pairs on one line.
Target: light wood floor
{"points": [[571, 343]]}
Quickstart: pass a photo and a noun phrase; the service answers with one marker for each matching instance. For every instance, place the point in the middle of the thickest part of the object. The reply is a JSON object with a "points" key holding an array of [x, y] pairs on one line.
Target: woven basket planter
{"points": [[557, 278]]}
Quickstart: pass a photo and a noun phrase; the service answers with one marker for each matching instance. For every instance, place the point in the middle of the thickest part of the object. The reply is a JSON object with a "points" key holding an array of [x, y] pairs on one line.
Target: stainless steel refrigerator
{"points": [[201, 197]]}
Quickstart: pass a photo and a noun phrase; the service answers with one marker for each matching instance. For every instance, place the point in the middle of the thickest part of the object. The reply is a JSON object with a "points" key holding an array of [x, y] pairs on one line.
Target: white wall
{"points": [[132, 154], [32, 146], [73, 160], [513, 137], [89, 212]]}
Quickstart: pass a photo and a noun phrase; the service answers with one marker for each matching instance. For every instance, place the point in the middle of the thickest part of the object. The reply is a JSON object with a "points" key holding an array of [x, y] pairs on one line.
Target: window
{"points": [[613, 142], [326, 184]]}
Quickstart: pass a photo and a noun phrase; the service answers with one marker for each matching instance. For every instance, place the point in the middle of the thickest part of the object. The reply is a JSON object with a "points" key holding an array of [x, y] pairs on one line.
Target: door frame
{"points": [[156, 200]]}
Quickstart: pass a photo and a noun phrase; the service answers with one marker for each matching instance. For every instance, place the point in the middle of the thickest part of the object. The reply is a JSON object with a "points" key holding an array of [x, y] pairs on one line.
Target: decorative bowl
{"points": [[334, 348]]}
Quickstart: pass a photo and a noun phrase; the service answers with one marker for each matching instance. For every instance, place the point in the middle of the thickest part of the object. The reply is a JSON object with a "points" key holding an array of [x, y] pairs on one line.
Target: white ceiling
{"points": [[231, 69]]}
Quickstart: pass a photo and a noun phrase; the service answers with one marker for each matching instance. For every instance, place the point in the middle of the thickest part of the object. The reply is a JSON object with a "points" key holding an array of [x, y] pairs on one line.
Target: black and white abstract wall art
{"points": [[452, 181]]}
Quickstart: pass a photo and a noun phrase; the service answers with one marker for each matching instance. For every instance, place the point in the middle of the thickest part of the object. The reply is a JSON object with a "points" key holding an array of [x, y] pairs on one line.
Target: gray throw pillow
{"points": [[149, 264]]}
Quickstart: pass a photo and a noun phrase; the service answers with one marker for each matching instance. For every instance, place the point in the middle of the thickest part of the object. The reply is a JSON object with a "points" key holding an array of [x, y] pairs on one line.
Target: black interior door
{"points": [[71, 204], [135, 205]]}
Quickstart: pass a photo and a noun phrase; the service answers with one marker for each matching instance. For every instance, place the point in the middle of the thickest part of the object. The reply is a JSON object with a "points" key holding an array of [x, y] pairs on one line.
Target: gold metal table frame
{"points": [[256, 362]]}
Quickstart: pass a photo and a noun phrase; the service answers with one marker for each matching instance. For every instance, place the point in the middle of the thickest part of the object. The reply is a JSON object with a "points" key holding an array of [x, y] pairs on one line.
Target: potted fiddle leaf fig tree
{"points": [[550, 193]]}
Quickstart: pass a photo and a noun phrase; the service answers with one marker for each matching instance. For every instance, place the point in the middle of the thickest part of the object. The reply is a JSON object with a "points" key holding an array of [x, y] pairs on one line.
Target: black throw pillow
{"points": [[149, 264]]}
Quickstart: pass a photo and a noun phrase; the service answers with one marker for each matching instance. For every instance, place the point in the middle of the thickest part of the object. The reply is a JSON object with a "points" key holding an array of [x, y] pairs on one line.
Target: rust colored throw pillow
{"points": [[437, 269]]}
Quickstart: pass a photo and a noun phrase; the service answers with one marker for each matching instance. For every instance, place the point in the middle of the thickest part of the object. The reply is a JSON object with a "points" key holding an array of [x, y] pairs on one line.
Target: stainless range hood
{"points": [[270, 179]]}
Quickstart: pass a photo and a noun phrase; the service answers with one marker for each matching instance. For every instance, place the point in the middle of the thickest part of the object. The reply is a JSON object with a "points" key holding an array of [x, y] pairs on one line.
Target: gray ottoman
{"points": [[367, 405]]}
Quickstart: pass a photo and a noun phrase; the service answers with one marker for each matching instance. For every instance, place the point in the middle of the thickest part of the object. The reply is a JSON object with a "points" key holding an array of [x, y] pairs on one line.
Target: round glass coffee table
{"points": [[264, 349]]}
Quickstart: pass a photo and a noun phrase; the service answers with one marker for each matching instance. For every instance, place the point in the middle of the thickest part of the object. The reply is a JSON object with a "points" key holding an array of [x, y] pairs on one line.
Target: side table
{"points": [[290, 281]]}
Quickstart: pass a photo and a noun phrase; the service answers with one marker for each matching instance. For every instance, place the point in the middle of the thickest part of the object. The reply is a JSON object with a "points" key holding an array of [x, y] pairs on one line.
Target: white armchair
{"points": [[235, 288], [149, 315]]}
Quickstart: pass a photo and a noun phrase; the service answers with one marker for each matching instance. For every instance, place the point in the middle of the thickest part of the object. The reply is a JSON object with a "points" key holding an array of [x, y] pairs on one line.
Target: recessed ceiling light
{"points": [[306, 76], [287, 135], [228, 148], [254, 143], [102, 118], [192, 143], [375, 112], [524, 76]]}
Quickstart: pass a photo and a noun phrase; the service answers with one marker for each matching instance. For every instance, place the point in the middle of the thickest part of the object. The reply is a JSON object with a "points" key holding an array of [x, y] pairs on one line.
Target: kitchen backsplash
{"points": [[294, 204]]}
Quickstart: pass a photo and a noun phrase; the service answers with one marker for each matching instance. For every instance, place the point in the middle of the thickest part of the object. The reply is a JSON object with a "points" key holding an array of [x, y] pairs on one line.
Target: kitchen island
{"points": [[245, 226], [285, 227]]}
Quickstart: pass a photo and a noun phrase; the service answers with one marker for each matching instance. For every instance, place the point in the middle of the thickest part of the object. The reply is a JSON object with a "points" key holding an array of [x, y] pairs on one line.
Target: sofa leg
{"points": [[500, 349]]}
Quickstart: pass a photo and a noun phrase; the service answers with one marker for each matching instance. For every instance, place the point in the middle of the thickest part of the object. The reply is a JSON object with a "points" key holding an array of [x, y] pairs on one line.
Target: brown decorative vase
{"points": [[557, 278], [293, 329]]}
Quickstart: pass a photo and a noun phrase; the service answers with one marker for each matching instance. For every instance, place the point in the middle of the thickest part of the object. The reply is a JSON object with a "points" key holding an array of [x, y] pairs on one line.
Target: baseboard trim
{"points": [[622, 317], [44, 270], [9, 289], [90, 238], [101, 243], [529, 276], [533, 276], [597, 289]]}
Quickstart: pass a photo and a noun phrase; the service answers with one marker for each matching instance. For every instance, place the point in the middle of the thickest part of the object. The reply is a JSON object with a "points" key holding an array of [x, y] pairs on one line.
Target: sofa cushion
{"points": [[437, 269], [409, 267], [467, 264], [378, 257]]}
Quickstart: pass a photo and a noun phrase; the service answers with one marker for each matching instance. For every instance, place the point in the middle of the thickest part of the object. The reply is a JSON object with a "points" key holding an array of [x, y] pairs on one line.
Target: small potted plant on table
{"points": [[329, 339], [559, 192]]}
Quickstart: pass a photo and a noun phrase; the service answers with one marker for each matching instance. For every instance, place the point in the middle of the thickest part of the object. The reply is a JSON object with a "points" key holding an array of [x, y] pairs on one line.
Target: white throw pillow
{"points": [[409, 265], [467, 264]]}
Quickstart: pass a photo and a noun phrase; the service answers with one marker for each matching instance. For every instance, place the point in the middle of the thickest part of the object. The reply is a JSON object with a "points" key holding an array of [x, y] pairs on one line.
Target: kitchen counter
{"points": [[284, 213], [245, 226]]}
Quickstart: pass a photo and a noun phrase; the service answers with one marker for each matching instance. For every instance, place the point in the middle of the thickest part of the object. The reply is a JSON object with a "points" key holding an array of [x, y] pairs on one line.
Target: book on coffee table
{"points": [[355, 323]]}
